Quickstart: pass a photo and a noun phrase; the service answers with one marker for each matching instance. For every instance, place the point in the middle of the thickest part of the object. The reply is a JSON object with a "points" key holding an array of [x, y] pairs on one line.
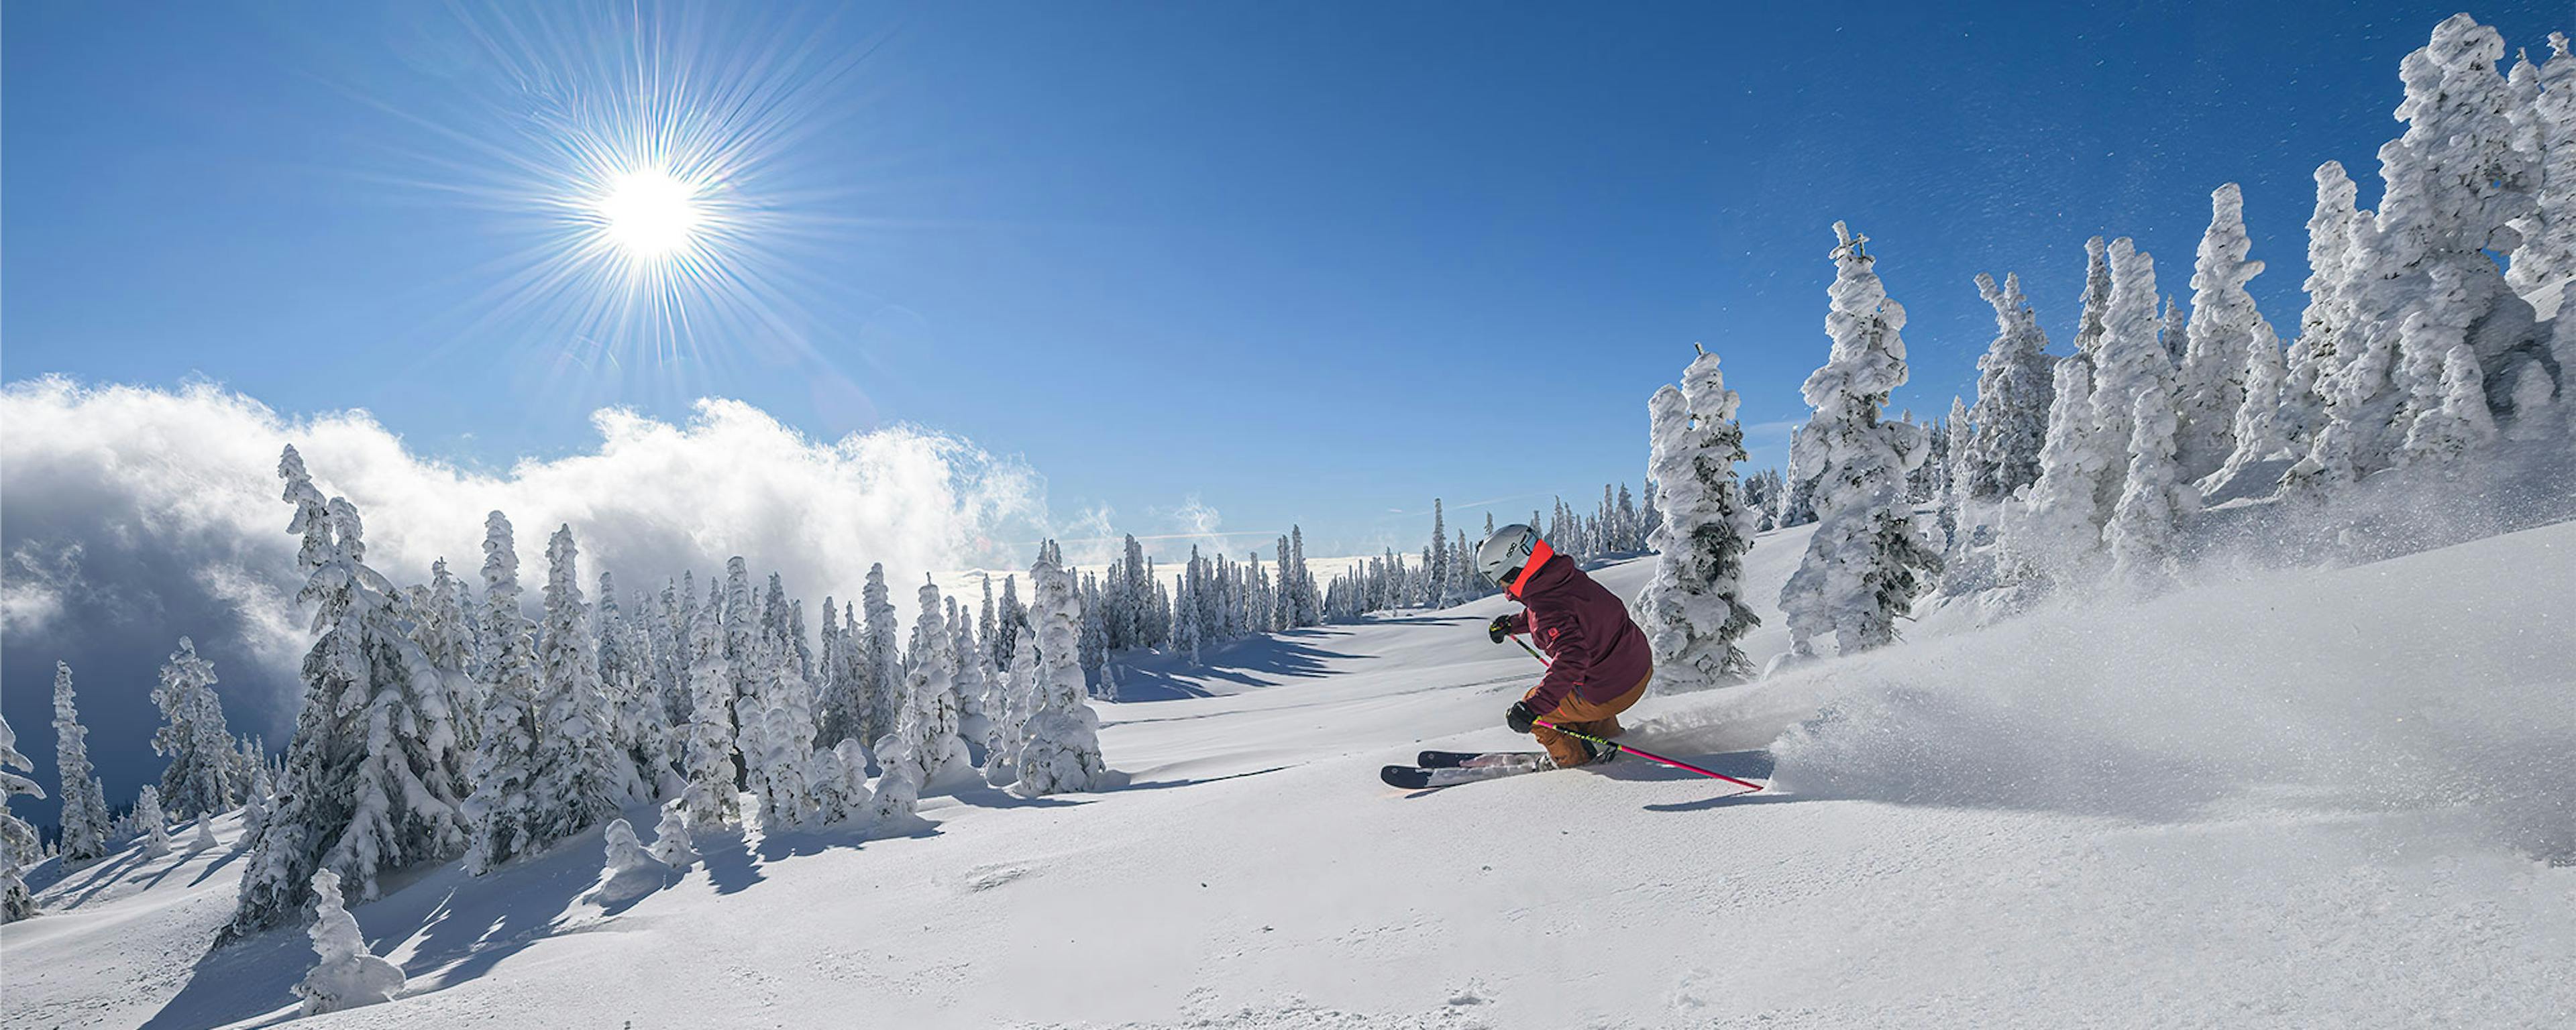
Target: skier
{"points": [[1598, 663]]}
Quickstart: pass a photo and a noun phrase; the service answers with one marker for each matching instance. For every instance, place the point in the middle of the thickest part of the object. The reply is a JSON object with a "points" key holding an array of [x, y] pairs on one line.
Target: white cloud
{"points": [[134, 515]]}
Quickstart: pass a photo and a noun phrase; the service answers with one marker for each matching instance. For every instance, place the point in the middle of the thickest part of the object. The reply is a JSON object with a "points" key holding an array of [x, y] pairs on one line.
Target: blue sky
{"points": [[1314, 263]]}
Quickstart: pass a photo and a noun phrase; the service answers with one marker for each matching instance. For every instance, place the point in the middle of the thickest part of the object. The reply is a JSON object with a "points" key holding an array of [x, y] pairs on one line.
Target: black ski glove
{"points": [[1520, 718], [1499, 628]]}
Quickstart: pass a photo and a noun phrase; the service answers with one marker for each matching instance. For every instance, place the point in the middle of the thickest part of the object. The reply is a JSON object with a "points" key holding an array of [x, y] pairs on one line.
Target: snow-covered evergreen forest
{"points": [[459, 729]]}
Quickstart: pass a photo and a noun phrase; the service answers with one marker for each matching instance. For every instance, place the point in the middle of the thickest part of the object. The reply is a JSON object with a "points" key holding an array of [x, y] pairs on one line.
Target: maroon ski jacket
{"points": [[1593, 649]]}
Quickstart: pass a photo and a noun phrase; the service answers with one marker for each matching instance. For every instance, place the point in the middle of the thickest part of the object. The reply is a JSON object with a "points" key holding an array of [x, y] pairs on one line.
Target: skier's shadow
{"points": [[1755, 765], [1740, 798]]}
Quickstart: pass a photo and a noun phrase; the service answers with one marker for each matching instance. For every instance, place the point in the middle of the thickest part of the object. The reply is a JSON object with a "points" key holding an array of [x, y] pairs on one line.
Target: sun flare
{"points": [[649, 213]]}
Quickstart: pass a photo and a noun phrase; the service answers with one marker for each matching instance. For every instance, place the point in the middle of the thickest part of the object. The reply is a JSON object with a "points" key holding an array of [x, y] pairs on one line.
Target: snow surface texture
{"points": [[2300, 799]]}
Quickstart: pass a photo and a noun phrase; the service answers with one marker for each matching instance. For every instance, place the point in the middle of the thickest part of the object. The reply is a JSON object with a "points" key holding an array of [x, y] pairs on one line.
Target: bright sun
{"points": [[649, 214]]}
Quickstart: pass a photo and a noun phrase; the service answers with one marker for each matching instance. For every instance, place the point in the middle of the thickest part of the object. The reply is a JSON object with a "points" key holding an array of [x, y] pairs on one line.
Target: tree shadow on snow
{"points": [[457, 927], [102, 876], [217, 864], [1261, 661], [993, 798], [783, 845], [1423, 620], [731, 866]]}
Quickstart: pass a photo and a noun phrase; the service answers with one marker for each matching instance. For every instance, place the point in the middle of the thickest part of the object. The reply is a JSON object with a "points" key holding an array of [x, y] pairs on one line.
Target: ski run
{"points": [[2301, 799]]}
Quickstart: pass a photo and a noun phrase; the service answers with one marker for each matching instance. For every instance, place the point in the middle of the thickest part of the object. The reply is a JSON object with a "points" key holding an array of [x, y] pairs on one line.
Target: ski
{"points": [[1418, 778], [1455, 759]]}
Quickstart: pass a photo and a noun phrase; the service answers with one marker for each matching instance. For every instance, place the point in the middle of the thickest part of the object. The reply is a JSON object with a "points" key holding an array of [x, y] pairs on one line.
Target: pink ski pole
{"points": [[1647, 755]]}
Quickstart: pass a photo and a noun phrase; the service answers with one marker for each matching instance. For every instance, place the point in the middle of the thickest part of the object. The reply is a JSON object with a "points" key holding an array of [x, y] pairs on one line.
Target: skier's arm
{"points": [[1569, 665]]}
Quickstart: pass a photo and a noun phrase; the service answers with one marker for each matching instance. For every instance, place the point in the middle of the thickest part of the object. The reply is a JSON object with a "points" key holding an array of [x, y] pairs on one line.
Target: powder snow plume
{"points": [[2440, 682]]}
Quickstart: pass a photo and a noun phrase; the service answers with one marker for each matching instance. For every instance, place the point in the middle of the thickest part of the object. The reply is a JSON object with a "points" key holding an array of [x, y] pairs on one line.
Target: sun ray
{"points": [[643, 160]]}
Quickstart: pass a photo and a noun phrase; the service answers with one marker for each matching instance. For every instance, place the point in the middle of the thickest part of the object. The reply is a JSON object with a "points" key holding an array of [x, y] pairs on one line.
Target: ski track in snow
{"points": [[2314, 799]]}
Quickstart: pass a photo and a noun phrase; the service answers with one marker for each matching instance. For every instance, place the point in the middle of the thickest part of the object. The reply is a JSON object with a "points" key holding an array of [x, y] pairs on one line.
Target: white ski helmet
{"points": [[1502, 555]]}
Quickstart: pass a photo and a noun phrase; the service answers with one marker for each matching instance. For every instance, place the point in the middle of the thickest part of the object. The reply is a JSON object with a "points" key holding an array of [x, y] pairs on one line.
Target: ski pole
{"points": [[1533, 652], [1647, 755], [1651, 756]]}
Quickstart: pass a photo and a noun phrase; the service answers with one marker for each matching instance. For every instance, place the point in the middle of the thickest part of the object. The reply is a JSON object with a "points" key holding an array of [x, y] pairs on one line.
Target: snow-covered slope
{"points": [[2322, 799]]}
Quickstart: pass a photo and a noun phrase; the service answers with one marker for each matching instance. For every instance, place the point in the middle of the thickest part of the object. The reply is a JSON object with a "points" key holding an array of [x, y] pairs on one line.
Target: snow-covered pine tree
{"points": [[1009, 705], [2544, 117], [2130, 362], [841, 713], [2153, 501], [2053, 534], [581, 778], [2336, 231], [2097, 297], [632, 702], [2173, 333], [1797, 504], [2258, 420], [246, 767], [674, 653], [84, 814], [924, 741], [374, 781], [445, 633], [2014, 390], [1284, 606], [255, 805], [984, 622], [881, 672], [974, 674], [1864, 565], [741, 621], [347, 975], [1185, 629], [827, 657], [1694, 612], [1095, 643], [628, 871], [1061, 752], [1310, 603], [18, 842], [2224, 328], [779, 768], [204, 837], [1439, 557], [2455, 420], [2537, 411], [497, 815], [1930, 481], [796, 637], [712, 796], [151, 824], [1958, 523], [939, 751], [1014, 617], [2455, 185], [671, 844], [200, 777]]}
